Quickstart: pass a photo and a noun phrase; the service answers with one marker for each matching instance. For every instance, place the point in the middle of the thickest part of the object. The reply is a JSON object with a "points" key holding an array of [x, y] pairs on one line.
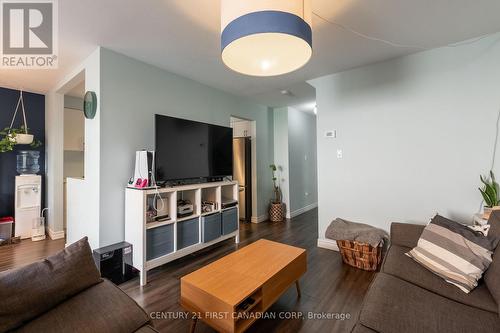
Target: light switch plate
{"points": [[331, 134]]}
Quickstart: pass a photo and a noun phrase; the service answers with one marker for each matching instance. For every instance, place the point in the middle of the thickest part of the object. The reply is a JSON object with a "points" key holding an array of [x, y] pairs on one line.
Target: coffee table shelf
{"points": [[263, 271]]}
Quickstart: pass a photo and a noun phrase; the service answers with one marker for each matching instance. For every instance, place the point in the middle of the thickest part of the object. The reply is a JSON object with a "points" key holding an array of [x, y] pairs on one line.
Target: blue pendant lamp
{"points": [[266, 37]]}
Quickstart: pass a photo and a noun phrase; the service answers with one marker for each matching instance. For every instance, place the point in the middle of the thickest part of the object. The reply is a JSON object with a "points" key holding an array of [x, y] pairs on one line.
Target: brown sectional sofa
{"points": [[65, 293], [406, 297]]}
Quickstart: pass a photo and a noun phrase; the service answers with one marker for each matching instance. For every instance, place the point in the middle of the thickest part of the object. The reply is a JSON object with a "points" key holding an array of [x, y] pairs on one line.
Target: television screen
{"points": [[188, 149]]}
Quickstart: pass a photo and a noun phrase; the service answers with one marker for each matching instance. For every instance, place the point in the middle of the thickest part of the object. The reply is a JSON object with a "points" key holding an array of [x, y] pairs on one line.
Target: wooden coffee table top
{"points": [[235, 276]]}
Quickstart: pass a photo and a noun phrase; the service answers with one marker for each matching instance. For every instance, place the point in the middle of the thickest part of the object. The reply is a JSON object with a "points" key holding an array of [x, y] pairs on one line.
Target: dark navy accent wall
{"points": [[35, 115]]}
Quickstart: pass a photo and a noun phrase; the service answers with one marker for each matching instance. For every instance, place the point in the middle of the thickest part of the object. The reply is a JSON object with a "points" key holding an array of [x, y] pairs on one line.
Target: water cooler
{"points": [[28, 201]]}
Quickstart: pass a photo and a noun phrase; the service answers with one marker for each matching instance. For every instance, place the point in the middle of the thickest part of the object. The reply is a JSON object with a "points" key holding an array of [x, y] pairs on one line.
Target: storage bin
{"points": [[6, 228], [360, 255], [188, 233], [211, 227], [159, 241], [229, 221]]}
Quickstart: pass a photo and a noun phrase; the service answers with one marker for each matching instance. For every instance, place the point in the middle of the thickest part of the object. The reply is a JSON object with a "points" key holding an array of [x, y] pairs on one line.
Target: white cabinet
{"points": [[74, 130], [241, 129], [28, 201]]}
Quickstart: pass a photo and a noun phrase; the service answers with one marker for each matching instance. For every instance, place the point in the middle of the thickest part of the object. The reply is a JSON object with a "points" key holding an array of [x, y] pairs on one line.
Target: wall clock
{"points": [[90, 104]]}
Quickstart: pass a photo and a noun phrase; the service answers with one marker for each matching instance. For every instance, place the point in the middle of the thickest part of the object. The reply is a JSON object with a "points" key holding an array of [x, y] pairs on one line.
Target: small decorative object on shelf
{"points": [[208, 206], [490, 195], [276, 207]]}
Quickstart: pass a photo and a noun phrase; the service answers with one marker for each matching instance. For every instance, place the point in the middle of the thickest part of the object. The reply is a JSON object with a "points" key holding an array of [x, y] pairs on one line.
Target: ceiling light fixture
{"points": [[287, 92], [266, 37]]}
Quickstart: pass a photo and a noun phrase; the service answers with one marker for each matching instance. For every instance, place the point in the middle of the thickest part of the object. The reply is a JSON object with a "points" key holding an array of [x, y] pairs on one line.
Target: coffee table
{"points": [[230, 293]]}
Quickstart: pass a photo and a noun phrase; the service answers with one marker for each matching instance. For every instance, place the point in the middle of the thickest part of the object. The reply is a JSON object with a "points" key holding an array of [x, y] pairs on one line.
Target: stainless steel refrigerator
{"points": [[242, 172]]}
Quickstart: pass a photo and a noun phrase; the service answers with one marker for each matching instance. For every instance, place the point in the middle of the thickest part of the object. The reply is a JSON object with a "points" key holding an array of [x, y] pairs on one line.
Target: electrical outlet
{"points": [[339, 153]]}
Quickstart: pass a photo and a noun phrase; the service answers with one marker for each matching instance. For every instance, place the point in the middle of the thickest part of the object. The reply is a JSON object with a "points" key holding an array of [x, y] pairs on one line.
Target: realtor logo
{"points": [[29, 34]]}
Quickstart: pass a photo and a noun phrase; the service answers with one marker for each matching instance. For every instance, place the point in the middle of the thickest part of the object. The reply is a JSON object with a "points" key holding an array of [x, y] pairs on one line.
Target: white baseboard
{"points": [[55, 234], [303, 210], [328, 244], [259, 219]]}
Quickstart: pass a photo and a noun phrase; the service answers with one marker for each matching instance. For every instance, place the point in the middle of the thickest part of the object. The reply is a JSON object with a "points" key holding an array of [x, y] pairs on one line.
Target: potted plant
{"points": [[490, 195], [9, 137], [276, 207]]}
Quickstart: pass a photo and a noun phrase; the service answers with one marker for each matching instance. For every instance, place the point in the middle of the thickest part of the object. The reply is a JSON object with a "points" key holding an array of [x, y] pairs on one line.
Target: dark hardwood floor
{"points": [[26, 252], [329, 287]]}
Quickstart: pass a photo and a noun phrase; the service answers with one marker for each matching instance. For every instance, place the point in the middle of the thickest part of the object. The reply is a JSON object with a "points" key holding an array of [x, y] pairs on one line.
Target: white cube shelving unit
{"points": [[158, 242]]}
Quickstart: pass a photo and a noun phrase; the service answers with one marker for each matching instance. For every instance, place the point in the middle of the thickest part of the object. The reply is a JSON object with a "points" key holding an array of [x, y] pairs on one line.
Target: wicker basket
{"points": [[360, 255], [276, 212]]}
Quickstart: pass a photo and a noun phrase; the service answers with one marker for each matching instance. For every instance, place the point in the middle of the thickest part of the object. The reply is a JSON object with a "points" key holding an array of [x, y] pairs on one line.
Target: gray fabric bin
{"points": [[211, 226], [159, 241], [229, 221], [187, 233]]}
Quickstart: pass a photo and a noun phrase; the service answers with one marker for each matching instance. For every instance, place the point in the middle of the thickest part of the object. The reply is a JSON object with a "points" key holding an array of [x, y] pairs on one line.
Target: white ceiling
{"points": [[300, 94], [78, 90], [182, 36]]}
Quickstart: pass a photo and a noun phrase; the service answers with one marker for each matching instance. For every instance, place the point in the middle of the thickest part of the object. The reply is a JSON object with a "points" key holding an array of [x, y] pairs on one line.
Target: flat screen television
{"points": [[188, 149]]}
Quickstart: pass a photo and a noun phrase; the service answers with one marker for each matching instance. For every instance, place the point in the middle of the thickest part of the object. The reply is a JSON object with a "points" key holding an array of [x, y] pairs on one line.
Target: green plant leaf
{"points": [[491, 193], [486, 198], [494, 185]]}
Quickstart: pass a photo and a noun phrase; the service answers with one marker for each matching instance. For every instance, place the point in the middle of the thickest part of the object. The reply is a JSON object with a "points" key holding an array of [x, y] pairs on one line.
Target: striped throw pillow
{"points": [[454, 252]]}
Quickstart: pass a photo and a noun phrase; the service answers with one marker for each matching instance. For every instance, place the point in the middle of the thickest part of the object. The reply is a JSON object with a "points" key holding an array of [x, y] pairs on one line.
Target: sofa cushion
{"points": [[454, 252], [361, 329], [393, 305], [31, 290], [406, 234], [396, 263], [492, 275], [146, 329], [101, 308]]}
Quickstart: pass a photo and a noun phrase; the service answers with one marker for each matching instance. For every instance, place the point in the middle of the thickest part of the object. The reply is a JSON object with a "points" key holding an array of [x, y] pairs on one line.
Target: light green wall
{"points": [[302, 159], [295, 155], [416, 132], [131, 93], [281, 153]]}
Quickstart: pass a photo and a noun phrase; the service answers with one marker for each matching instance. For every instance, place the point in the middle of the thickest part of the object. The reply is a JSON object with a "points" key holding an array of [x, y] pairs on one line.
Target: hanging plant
{"points": [[10, 136], [16, 136]]}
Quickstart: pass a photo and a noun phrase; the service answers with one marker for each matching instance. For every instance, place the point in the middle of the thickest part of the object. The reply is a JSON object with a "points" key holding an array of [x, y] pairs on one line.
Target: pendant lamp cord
{"points": [[20, 101], [394, 44]]}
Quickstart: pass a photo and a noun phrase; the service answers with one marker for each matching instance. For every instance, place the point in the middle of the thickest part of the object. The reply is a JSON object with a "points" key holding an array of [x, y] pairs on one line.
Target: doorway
{"points": [[243, 165], [74, 139]]}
